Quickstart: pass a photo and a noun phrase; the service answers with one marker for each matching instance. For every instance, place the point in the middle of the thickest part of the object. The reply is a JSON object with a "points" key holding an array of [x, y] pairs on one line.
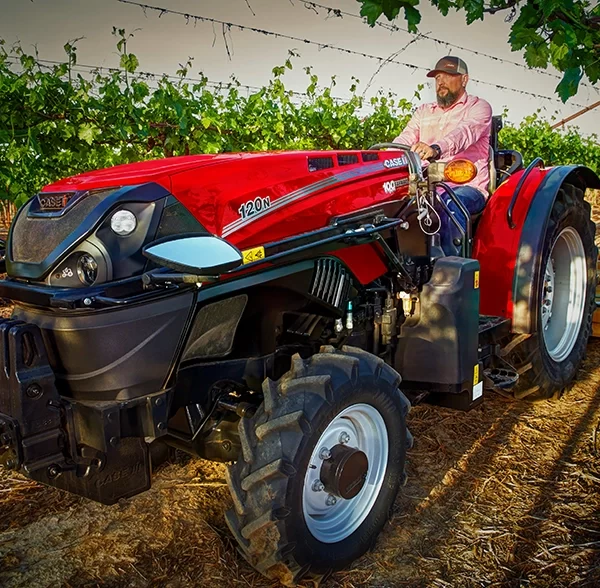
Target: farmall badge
{"points": [[54, 201]]}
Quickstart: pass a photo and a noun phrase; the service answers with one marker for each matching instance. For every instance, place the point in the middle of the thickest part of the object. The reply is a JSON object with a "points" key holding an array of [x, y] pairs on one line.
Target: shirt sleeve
{"points": [[411, 134], [477, 123]]}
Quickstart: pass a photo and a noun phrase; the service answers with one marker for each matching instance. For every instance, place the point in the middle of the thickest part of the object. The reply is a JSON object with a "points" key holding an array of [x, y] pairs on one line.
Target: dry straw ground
{"points": [[506, 495]]}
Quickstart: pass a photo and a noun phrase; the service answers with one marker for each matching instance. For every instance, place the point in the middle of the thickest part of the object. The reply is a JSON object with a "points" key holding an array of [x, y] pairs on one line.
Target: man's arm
{"points": [[411, 134], [469, 131]]}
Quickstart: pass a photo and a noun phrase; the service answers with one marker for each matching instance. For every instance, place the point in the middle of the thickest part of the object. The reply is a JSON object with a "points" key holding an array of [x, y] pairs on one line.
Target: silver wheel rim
{"points": [[563, 294], [332, 519]]}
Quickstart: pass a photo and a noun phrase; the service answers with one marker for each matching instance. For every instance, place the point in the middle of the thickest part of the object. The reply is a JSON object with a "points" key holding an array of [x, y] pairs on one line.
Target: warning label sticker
{"points": [[254, 254]]}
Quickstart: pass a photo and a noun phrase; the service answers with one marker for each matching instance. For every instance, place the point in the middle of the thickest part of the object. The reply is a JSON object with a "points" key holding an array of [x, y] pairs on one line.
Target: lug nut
{"points": [[331, 500], [324, 454], [53, 471], [344, 438], [34, 391], [318, 486]]}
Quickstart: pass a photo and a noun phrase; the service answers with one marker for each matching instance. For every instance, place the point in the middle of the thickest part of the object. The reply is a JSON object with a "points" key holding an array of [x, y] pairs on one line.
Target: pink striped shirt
{"points": [[462, 131]]}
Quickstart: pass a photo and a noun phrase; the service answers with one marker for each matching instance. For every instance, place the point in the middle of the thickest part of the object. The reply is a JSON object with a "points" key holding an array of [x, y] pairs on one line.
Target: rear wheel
{"points": [[322, 462], [549, 359]]}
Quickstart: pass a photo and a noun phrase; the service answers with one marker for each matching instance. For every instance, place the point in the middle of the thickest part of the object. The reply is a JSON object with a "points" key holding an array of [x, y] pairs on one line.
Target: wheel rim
{"points": [[563, 294], [360, 426]]}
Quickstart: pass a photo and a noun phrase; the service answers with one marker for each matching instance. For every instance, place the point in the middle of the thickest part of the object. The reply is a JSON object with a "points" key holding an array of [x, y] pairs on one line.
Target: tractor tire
{"points": [[288, 526], [548, 360]]}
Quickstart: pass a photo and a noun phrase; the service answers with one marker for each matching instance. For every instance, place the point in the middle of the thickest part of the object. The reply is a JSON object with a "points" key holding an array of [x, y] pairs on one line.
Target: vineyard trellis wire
{"points": [[56, 122]]}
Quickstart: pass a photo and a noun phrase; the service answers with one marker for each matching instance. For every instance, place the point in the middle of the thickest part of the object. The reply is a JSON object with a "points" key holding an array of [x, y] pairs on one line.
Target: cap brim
{"points": [[433, 72]]}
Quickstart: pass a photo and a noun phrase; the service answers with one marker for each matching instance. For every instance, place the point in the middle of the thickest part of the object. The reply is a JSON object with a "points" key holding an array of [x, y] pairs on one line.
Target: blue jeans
{"points": [[474, 202]]}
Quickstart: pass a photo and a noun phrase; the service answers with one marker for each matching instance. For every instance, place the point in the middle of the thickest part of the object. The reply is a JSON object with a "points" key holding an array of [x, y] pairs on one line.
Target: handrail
{"points": [[509, 213], [467, 232], [414, 161]]}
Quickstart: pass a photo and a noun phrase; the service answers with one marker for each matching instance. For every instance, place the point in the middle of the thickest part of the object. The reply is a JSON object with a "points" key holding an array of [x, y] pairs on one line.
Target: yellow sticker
{"points": [[254, 254], [476, 280], [476, 375]]}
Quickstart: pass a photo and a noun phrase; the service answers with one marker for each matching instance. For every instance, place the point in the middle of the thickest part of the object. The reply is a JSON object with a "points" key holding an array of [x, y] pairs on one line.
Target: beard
{"points": [[449, 99]]}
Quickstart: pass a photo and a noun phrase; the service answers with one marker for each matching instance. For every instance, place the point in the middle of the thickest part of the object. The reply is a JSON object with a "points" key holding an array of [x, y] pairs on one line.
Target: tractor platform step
{"points": [[502, 378], [490, 323]]}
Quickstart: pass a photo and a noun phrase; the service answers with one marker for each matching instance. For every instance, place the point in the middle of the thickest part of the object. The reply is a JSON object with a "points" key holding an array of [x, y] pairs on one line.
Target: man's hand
{"points": [[423, 150]]}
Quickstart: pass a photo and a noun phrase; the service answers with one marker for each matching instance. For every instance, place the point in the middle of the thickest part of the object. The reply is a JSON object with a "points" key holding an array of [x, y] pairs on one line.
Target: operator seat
{"points": [[503, 162], [493, 173]]}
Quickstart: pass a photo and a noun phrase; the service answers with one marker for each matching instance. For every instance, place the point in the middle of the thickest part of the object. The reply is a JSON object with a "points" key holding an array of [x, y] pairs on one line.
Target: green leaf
{"points": [[88, 132], [413, 17], [569, 84], [474, 9], [371, 11], [129, 62], [537, 56], [443, 6], [558, 53]]}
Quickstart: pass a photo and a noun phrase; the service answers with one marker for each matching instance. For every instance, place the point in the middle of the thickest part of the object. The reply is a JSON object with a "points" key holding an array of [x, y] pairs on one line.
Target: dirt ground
{"points": [[506, 495]]}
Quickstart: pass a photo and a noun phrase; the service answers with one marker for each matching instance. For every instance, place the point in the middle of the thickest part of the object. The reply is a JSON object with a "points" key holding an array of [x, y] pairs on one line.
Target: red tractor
{"points": [[260, 309]]}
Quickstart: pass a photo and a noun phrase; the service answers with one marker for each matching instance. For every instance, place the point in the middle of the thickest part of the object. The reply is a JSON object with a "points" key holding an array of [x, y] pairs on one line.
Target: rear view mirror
{"points": [[205, 255]]}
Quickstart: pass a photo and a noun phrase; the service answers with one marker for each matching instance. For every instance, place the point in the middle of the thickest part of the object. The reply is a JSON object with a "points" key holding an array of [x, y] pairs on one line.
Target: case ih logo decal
{"points": [[54, 201], [395, 162]]}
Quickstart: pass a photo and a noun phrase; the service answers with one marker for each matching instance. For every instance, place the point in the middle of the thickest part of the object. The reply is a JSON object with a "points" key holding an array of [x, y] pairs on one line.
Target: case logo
{"points": [[54, 201], [395, 162]]}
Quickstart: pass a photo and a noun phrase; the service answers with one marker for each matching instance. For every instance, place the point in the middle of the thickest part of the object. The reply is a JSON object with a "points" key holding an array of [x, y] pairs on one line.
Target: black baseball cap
{"points": [[449, 64]]}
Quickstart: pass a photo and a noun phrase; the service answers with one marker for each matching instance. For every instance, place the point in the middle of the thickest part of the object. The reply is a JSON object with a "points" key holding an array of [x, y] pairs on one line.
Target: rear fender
{"points": [[509, 258]]}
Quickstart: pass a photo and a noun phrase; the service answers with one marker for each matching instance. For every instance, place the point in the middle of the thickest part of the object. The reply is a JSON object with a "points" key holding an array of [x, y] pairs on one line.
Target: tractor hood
{"points": [[91, 228], [159, 171]]}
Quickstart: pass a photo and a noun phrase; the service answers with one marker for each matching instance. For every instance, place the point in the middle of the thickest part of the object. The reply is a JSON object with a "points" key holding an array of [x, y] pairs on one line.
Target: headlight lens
{"points": [[123, 222], [87, 269]]}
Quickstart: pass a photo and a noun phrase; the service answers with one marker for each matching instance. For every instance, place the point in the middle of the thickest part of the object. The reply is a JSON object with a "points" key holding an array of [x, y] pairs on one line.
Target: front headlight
{"points": [[123, 222], [87, 269]]}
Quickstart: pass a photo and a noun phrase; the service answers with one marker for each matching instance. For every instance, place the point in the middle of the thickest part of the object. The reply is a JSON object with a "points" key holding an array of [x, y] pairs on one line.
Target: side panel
{"points": [[366, 261], [115, 354], [496, 245], [251, 201]]}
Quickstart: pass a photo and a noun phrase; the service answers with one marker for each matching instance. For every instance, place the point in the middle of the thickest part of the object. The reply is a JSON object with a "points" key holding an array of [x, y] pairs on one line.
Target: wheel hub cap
{"points": [[564, 294], [345, 472]]}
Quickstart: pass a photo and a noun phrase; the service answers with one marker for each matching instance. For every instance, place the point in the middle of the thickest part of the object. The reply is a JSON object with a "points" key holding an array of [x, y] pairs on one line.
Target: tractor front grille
{"points": [[330, 283], [34, 238]]}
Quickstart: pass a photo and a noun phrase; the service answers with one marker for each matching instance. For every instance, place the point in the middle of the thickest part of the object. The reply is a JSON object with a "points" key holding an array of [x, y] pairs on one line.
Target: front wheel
{"points": [[322, 461]]}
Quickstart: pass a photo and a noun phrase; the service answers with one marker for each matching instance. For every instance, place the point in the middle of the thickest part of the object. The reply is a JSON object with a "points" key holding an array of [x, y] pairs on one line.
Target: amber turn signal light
{"points": [[460, 171]]}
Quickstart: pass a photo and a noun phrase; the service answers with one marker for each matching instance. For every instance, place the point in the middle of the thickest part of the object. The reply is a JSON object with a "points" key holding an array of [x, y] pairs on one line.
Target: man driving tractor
{"points": [[458, 126]]}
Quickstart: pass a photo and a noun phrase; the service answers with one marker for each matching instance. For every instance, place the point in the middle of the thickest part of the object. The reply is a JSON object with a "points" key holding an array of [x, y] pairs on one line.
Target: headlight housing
{"points": [[87, 269]]}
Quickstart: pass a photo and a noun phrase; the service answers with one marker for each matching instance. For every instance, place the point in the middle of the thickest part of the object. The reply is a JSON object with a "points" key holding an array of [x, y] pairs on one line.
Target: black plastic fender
{"points": [[528, 270]]}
